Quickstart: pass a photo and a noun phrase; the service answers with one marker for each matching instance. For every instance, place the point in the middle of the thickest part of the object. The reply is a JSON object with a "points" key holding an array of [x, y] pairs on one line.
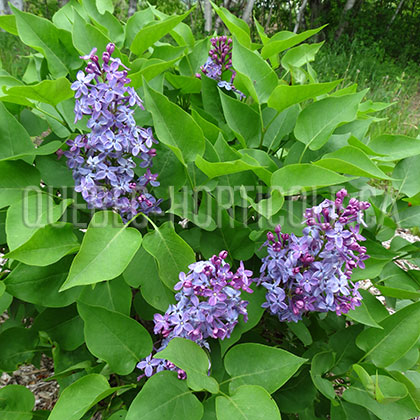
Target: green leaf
{"points": [[298, 56], [48, 91], [8, 23], [86, 36], [104, 6], [282, 125], [143, 272], [187, 84], [16, 403], [172, 123], [172, 253], [236, 26], [62, 325], [5, 301], [116, 338], [406, 176], [215, 169], [114, 295], [403, 409], [151, 69], [136, 22], [40, 285], [248, 402], [301, 331], [107, 248], [284, 96], [292, 179], [33, 212], [45, 149], [54, 173], [43, 36], [316, 122], [353, 161], [76, 399], [104, 20], [400, 332], [256, 364], [256, 69], [395, 147], [297, 394], [47, 245], [342, 343], [388, 389], [267, 207], [283, 40], [164, 396], [18, 346], [151, 33], [361, 314], [14, 138], [243, 120], [190, 357], [211, 131], [322, 363]]}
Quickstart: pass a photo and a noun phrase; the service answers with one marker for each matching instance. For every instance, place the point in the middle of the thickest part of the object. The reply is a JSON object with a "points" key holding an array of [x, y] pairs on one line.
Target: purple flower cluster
{"points": [[102, 160], [312, 272], [208, 306], [219, 61]]}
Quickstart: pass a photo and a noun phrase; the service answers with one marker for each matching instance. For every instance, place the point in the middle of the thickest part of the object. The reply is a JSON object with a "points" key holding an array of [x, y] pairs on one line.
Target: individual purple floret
{"points": [[219, 61], [102, 160], [208, 306], [312, 273]]}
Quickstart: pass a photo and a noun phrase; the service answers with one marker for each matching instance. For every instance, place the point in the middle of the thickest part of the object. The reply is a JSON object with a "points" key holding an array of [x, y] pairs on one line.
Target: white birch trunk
{"points": [[248, 10], [208, 24], [300, 15]]}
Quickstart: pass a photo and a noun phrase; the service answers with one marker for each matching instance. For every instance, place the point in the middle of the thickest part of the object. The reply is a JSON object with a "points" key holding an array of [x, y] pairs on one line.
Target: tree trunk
{"points": [[248, 10], [300, 15], [395, 14], [347, 7], [62, 3], [208, 24], [132, 7], [268, 23], [5, 9]]}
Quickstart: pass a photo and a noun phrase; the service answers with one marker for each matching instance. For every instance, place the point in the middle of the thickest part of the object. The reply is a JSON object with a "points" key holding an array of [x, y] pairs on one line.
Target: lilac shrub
{"points": [[208, 305], [220, 61], [312, 273], [102, 160]]}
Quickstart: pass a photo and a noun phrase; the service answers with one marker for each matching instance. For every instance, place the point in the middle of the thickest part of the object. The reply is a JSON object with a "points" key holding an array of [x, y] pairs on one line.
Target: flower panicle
{"points": [[312, 273], [220, 61], [102, 160], [209, 304]]}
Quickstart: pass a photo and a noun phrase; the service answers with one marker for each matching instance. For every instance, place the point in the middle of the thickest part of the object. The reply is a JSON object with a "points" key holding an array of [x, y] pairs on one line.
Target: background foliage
{"points": [[87, 299]]}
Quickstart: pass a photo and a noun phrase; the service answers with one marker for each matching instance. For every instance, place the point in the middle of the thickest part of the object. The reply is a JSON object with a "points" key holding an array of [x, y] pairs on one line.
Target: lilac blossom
{"points": [[208, 305], [220, 61], [102, 160], [313, 272]]}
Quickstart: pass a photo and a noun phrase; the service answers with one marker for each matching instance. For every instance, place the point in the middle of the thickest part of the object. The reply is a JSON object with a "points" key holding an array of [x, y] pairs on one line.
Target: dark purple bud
{"points": [[270, 236], [341, 194], [105, 57], [110, 48], [277, 229], [223, 254]]}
